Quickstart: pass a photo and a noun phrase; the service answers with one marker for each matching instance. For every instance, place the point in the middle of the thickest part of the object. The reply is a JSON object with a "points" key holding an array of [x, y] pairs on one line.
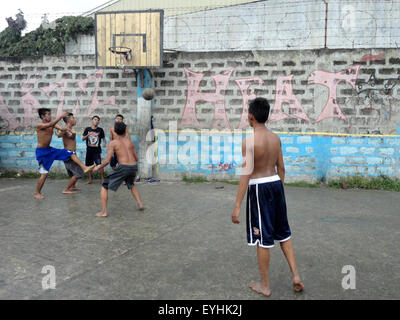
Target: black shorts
{"points": [[122, 173], [73, 169], [92, 157], [266, 216]]}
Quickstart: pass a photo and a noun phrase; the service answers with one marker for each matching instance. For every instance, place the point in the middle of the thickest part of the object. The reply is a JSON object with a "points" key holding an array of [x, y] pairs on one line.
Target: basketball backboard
{"points": [[131, 38]]}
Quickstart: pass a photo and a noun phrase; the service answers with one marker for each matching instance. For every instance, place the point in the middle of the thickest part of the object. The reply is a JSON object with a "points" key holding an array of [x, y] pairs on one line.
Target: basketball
{"points": [[148, 94]]}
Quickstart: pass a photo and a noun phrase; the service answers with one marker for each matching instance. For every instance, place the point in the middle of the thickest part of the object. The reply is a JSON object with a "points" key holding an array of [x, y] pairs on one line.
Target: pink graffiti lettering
{"points": [[97, 76], [218, 98], [61, 84], [284, 94], [30, 103], [244, 85], [331, 80], [7, 116], [76, 109]]}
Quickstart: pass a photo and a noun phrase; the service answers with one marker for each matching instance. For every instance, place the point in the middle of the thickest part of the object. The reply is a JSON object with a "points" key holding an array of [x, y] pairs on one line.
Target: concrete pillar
{"points": [[143, 124]]}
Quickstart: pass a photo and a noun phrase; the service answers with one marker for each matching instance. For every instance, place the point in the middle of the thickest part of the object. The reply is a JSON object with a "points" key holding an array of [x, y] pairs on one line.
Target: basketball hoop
{"points": [[122, 52], [125, 51]]}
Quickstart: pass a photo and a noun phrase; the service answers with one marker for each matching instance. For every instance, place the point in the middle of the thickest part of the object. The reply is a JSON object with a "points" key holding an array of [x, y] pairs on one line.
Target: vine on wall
{"points": [[42, 41]]}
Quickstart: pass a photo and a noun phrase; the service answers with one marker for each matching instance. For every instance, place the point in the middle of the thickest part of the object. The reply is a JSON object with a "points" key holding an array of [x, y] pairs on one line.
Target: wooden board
{"points": [[139, 30]]}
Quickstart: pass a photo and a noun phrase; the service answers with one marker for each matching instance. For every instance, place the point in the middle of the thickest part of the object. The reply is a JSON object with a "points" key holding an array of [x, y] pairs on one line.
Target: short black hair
{"points": [[68, 117], [119, 115], [120, 128], [96, 117], [42, 112], [259, 108]]}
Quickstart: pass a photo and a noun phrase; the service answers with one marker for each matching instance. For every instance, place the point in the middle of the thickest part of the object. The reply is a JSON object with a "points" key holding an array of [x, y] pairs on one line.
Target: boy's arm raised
{"points": [[60, 132], [52, 123]]}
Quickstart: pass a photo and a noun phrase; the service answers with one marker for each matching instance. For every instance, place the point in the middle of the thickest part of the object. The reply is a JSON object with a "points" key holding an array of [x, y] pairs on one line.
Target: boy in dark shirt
{"points": [[93, 136]]}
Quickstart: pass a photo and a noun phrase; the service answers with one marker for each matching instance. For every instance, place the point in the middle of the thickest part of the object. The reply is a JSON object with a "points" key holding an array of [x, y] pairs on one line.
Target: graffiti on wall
{"points": [[31, 104], [369, 92]]}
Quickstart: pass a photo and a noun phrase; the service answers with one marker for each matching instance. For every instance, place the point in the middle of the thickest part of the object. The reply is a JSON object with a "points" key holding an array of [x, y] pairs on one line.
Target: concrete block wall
{"points": [[307, 157], [337, 111], [334, 91], [69, 83], [17, 152]]}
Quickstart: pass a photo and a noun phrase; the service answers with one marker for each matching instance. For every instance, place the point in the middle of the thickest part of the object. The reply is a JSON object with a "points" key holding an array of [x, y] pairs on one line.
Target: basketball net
{"points": [[123, 55]]}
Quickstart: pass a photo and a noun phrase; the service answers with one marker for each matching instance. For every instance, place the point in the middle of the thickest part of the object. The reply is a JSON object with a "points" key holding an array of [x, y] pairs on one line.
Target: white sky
{"points": [[34, 10]]}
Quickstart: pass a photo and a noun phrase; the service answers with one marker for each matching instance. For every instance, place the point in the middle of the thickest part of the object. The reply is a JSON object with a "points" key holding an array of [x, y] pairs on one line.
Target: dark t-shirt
{"points": [[94, 139]]}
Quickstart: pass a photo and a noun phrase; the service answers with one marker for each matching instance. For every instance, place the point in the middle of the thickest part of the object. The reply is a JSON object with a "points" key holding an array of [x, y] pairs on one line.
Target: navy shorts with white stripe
{"points": [[266, 216]]}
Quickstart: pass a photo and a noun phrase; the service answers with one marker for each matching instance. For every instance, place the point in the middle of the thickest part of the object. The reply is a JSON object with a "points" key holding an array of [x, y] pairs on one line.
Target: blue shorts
{"points": [[266, 217], [46, 156]]}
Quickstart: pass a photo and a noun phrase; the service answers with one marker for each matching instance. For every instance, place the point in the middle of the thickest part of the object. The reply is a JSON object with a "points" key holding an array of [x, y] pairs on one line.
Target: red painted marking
{"points": [[371, 57]]}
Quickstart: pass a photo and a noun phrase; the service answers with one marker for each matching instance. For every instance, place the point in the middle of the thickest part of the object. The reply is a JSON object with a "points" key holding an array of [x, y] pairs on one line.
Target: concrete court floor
{"points": [[184, 246]]}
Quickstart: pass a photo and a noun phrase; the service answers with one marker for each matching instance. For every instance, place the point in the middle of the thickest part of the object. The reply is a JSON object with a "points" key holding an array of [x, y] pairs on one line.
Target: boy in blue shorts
{"points": [[45, 155], [266, 217]]}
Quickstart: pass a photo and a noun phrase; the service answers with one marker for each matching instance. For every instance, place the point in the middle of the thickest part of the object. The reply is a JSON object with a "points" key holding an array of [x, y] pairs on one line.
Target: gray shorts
{"points": [[123, 172], [73, 169]]}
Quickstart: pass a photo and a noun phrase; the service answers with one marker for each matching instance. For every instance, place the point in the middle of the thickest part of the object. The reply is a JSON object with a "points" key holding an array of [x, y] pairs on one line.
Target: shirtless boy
{"points": [[113, 135], [74, 171], [266, 218], [126, 170], [45, 155]]}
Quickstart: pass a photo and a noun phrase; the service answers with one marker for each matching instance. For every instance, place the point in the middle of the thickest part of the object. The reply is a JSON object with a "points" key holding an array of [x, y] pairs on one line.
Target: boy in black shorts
{"points": [[93, 136], [126, 171], [262, 177], [113, 135], [69, 140]]}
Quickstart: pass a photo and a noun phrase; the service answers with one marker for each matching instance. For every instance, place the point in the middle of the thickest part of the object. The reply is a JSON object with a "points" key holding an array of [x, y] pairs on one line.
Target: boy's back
{"points": [[266, 213], [125, 150], [267, 150]]}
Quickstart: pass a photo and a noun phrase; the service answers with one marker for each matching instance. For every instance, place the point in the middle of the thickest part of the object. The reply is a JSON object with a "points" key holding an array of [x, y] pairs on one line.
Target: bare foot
{"points": [[38, 196], [101, 214], [257, 287], [298, 286], [68, 191], [89, 169], [75, 189], [89, 182]]}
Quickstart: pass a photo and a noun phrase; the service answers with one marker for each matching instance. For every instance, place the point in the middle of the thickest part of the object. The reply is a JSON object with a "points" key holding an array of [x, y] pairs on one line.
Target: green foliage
{"points": [[44, 42], [303, 184], [194, 179], [358, 182], [9, 37]]}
